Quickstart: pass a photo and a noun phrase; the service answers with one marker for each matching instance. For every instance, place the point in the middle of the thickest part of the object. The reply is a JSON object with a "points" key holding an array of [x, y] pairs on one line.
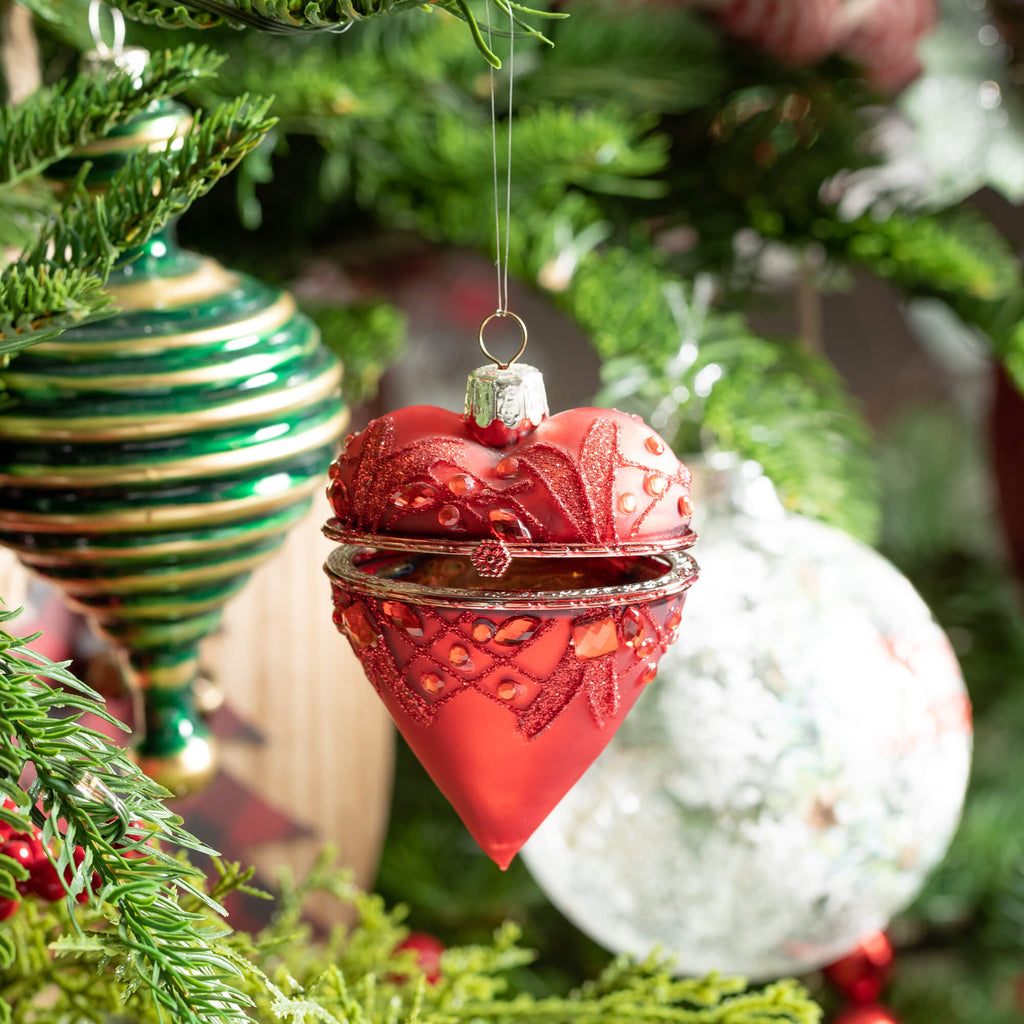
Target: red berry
{"points": [[21, 849], [31, 861], [428, 950], [861, 975], [45, 881], [7, 908]]}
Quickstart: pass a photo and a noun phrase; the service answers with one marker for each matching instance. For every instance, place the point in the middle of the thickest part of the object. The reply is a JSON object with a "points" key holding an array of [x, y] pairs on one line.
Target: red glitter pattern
{"points": [[485, 647], [419, 473]]}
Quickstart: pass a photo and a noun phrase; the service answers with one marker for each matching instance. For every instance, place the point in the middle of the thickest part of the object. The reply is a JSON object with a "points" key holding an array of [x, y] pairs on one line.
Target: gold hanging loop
{"points": [[499, 313]]}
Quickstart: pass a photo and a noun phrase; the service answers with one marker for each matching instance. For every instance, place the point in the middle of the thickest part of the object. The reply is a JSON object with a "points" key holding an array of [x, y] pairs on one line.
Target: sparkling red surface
{"points": [[585, 476], [504, 707]]}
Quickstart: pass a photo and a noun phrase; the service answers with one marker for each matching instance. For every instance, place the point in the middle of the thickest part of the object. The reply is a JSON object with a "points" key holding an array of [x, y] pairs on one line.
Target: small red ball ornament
{"points": [[861, 975], [428, 949], [21, 849], [873, 1014], [8, 908], [509, 581]]}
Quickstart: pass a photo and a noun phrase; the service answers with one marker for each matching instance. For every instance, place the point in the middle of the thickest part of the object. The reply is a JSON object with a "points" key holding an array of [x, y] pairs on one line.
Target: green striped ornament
{"points": [[151, 461]]}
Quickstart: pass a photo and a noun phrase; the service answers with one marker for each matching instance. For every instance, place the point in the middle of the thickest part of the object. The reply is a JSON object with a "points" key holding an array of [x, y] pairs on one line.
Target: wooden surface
{"points": [[13, 581], [327, 759]]}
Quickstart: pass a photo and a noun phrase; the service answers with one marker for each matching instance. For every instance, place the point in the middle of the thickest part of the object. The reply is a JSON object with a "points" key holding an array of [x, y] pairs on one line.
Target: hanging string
{"points": [[502, 258], [501, 265]]}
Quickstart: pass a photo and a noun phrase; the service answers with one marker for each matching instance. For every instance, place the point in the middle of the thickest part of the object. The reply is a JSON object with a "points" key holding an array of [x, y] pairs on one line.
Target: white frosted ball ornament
{"points": [[791, 775]]}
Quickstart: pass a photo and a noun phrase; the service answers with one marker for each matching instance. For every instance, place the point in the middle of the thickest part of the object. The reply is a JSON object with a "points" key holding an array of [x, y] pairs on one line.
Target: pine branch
{"points": [[357, 976], [48, 125], [957, 255], [296, 16], [92, 231], [38, 302], [700, 377], [160, 947]]}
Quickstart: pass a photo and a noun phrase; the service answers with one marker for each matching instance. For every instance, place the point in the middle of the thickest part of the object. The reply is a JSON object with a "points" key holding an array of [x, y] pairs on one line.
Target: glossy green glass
{"points": [[150, 461]]}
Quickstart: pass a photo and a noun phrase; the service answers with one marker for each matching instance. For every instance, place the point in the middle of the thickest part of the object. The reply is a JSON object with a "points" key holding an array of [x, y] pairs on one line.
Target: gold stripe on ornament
{"points": [[166, 610], [206, 282], [93, 553], [170, 677], [186, 772], [155, 135], [114, 428], [247, 365], [213, 464], [159, 517], [155, 582], [276, 315]]}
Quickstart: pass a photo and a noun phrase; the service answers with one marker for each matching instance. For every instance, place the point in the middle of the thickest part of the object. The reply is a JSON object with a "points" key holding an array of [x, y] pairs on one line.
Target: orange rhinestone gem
{"points": [[516, 631], [648, 674], [507, 689], [337, 495], [431, 682], [462, 484], [459, 657], [594, 638], [483, 631], [507, 526], [627, 503], [359, 628], [414, 495], [685, 506], [403, 618], [507, 467], [448, 516], [655, 484], [655, 445], [646, 648], [633, 628]]}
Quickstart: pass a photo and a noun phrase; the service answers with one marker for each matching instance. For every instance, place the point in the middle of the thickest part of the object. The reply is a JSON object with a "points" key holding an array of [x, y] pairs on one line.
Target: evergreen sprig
{"points": [[357, 976], [38, 302], [296, 16], [48, 125], [157, 946], [704, 378], [48, 289]]}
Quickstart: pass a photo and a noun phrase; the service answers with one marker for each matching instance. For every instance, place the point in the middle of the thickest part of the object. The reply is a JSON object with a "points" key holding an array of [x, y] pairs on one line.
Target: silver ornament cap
{"points": [[505, 404]]}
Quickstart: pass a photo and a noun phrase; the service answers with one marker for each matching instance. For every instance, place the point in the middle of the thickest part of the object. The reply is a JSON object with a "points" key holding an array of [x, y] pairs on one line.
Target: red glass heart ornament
{"points": [[509, 581]]}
